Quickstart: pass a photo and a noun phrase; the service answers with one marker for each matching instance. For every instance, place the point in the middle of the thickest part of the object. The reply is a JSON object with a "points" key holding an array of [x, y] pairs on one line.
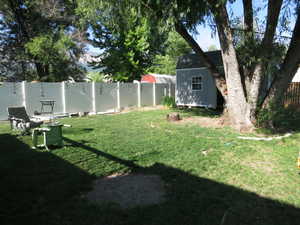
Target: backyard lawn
{"points": [[210, 177]]}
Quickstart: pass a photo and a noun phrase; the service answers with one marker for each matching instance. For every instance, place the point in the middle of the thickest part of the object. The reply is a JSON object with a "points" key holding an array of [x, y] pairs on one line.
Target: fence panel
{"points": [[161, 91], [292, 95], [78, 97], [146, 94], [10, 95], [35, 92], [106, 97], [128, 95]]}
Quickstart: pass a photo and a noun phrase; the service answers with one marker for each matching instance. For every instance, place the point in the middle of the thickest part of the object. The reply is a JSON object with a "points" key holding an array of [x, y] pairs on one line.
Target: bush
{"points": [[279, 117], [169, 102]]}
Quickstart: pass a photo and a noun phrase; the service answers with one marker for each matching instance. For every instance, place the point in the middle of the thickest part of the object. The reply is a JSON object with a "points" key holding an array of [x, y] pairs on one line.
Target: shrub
{"points": [[279, 117], [169, 102]]}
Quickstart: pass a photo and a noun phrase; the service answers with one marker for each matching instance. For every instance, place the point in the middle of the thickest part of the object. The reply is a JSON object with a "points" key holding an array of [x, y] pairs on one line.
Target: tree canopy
{"points": [[175, 47], [36, 40], [129, 43]]}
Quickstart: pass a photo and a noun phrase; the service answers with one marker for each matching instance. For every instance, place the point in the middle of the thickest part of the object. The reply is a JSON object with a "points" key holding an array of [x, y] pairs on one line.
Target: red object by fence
{"points": [[148, 78]]}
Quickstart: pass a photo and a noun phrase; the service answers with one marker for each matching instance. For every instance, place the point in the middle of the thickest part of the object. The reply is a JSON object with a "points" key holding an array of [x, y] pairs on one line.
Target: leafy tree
{"points": [[243, 99], [53, 54], [175, 47], [129, 43], [95, 76], [35, 39]]}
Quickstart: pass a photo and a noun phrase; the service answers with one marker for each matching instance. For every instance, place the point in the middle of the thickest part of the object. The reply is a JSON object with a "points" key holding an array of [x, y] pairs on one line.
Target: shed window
{"points": [[196, 83]]}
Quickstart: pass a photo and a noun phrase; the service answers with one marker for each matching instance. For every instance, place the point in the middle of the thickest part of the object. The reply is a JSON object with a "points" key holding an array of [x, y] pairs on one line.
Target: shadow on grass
{"points": [[37, 187], [41, 188], [198, 112]]}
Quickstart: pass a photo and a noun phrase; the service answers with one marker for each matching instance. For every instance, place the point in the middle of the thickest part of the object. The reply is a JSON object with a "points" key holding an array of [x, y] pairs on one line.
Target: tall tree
{"points": [[128, 43], [35, 38], [240, 87]]}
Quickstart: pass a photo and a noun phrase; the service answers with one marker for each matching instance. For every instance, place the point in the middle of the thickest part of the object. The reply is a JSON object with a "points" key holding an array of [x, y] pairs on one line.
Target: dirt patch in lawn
{"points": [[144, 108], [212, 122], [128, 191]]}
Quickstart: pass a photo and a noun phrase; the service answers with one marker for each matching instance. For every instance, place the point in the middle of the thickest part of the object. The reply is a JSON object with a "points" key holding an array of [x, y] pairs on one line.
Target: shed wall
{"points": [[206, 97]]}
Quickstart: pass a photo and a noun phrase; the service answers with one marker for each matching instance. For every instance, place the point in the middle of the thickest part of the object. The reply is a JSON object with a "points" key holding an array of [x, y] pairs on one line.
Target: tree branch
{"points": [[288, 69], [274, 7], [19, 17], [220, 80], [248, 18]]}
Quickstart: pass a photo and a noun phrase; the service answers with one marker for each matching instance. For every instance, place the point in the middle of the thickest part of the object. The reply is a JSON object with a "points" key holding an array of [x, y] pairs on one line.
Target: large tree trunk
{"points": [[237, 105], [266, 46]]}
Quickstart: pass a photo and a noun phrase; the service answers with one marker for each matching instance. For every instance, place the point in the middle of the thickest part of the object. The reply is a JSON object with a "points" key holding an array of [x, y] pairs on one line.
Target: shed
{"points": [[158, 78], [296, 78], [195, 85]]}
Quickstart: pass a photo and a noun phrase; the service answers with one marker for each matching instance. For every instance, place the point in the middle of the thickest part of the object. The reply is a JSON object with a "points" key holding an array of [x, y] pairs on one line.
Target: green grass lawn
{"points": [[210, 176]]}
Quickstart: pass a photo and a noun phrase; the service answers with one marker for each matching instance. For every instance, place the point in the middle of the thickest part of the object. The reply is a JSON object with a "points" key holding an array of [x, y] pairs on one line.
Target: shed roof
{"points": [[194, 61], [158, 78]]}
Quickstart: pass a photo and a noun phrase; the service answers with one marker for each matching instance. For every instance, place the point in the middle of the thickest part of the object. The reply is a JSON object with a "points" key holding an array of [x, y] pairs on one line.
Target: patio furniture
{"points": [[52, 135], [19, 119], [49, 104]]}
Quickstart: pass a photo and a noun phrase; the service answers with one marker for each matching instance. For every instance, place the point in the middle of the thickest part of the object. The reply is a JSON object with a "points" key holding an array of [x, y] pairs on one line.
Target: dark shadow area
{"points": [[199, 111], [75, 130], [37, 187], [87, 129], [41, 188]]}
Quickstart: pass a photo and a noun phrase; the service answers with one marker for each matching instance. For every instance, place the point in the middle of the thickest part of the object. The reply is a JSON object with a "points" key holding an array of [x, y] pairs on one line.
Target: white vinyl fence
{"points": [[82, 97]]}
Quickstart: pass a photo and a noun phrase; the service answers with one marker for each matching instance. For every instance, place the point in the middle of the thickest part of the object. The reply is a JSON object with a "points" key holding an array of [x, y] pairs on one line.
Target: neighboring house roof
{"points": [[194, 61], [297, 76], [158, 78]]}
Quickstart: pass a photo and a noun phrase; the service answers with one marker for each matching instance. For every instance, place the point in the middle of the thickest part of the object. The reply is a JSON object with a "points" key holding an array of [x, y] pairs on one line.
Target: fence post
{"points": [[139, 94], [94, 96], [154, 94], [118, 97], [63, 95], [170, 86], [24, 94]]}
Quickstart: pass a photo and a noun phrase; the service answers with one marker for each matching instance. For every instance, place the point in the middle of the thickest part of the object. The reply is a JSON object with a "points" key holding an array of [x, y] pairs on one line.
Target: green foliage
{"points": [[175, 46], [163, 64], [52, 52], [36, 40], [95, 76], [128, 41], [279, 118], [169, 102]]}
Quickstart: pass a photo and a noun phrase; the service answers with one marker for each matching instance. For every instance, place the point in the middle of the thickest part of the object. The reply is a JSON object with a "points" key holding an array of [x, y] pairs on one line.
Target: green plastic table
{"points": [[52, 135]]}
